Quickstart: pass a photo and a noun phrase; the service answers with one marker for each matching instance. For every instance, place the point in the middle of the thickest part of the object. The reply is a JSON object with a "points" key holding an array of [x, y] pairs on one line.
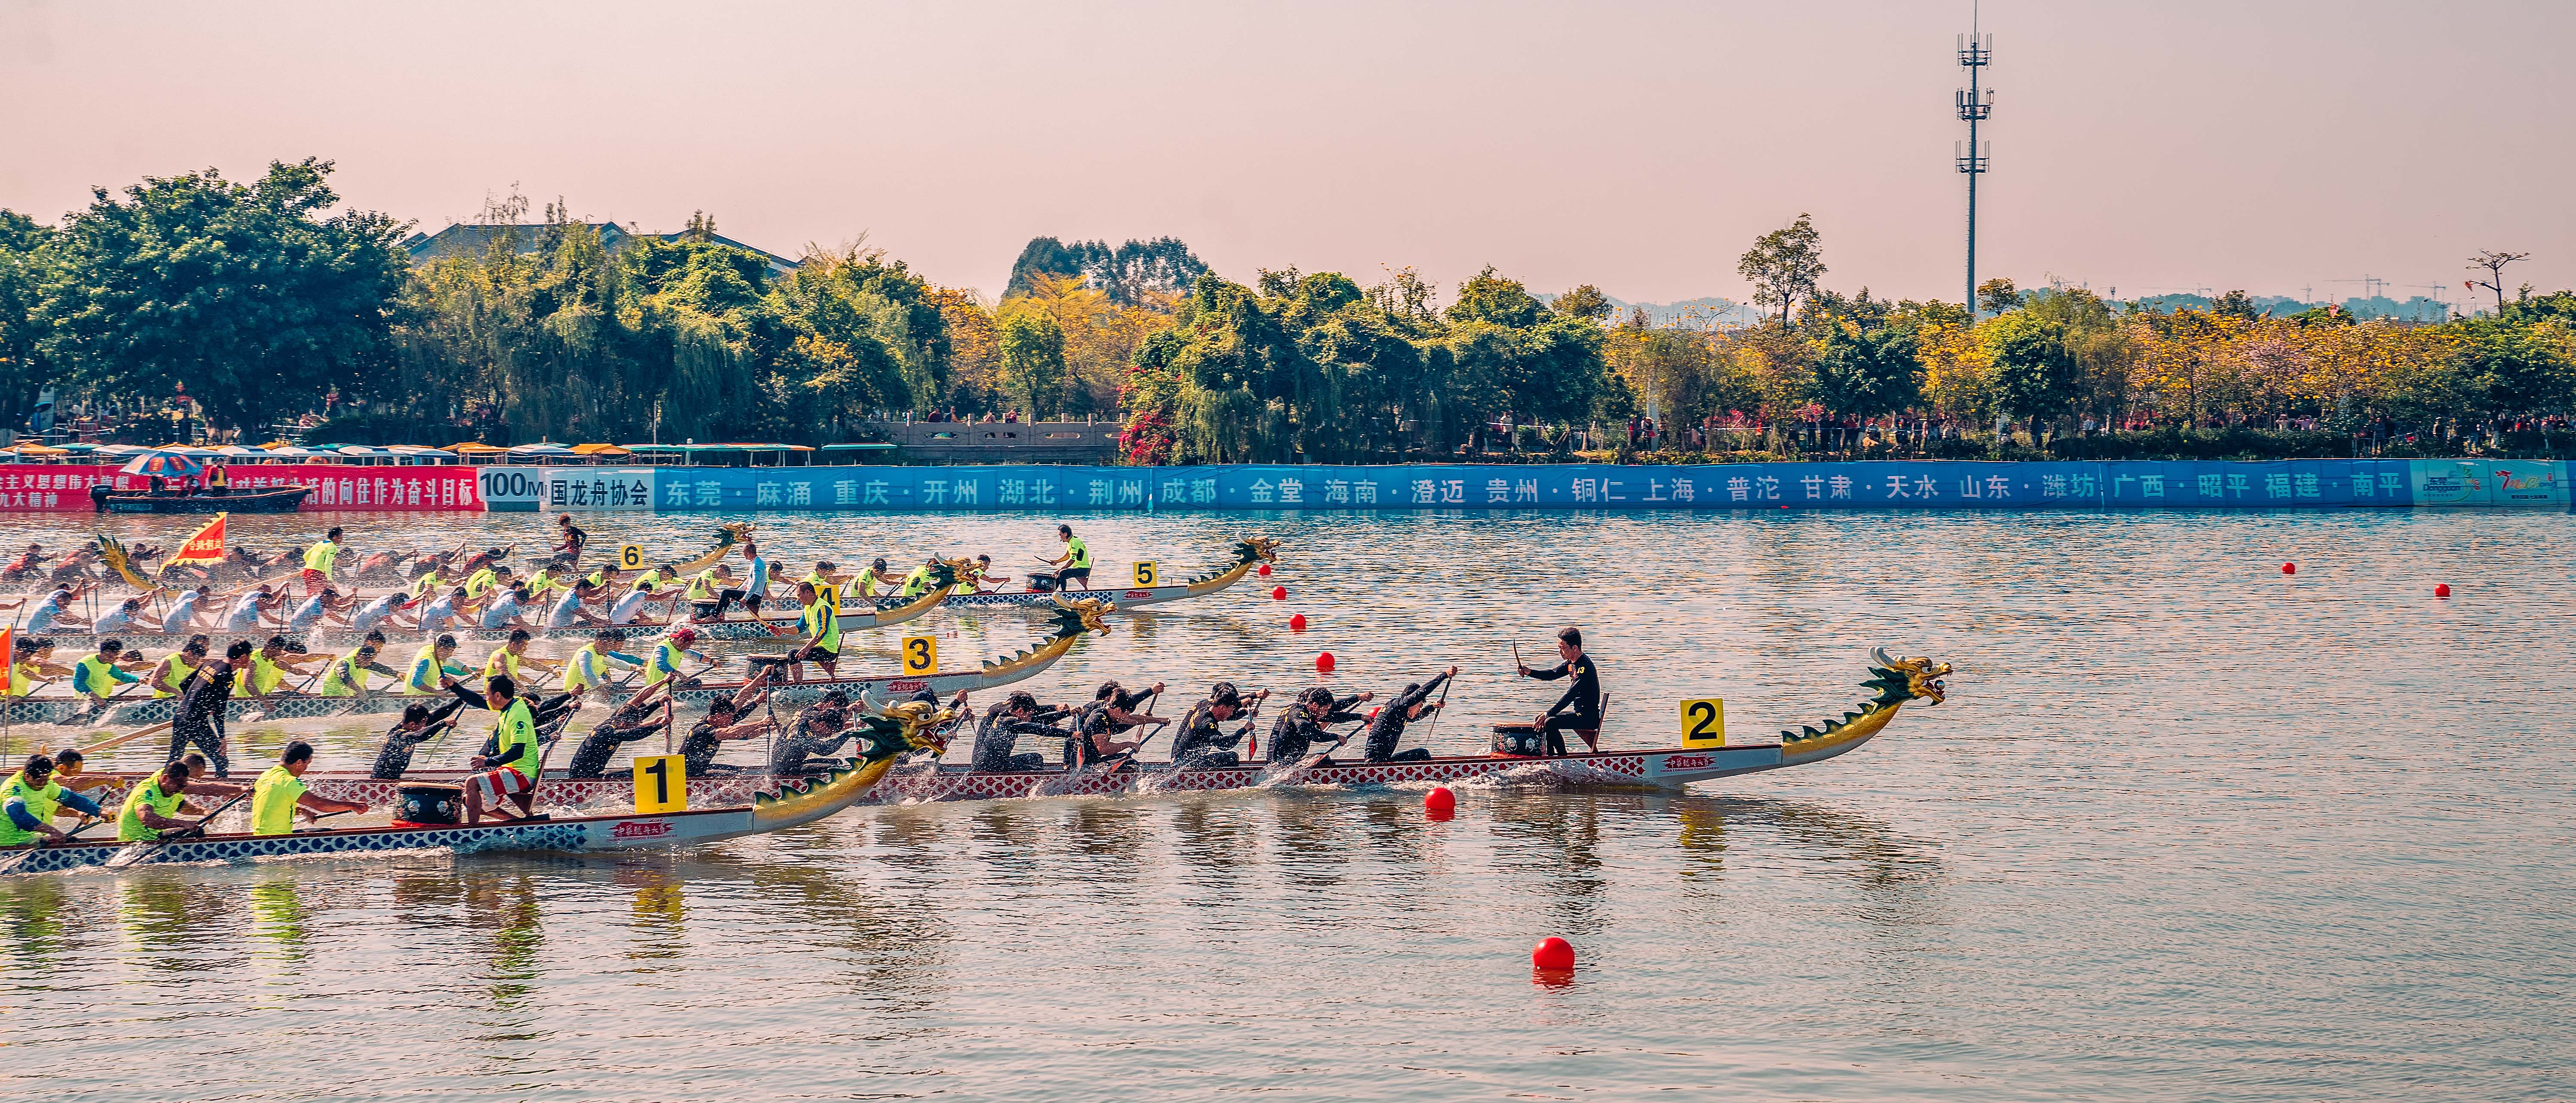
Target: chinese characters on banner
{"points": [[65, 488]]}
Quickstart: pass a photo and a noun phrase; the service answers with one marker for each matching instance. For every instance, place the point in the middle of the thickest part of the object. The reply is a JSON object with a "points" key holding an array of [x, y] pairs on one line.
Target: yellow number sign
{"points": [[630, 557], [1704, 723], [1146, 575], [920, 654], [661, 784]]}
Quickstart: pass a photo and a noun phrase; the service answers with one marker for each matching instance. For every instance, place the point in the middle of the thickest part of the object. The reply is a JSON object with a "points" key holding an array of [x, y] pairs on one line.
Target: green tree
{"points": [[1997, 296], [1784, 265], [25, 252], [245, 294], [1033, 360], [1867, 372], [1586, 302], [2035, 376]]}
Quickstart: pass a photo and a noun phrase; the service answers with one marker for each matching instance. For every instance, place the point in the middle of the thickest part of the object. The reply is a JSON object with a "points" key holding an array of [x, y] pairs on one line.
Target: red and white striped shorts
{"points": [[501, 782]]}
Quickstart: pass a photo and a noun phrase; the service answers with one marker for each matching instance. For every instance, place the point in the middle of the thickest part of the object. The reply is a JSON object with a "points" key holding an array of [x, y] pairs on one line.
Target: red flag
{"points": [[207, 546]]}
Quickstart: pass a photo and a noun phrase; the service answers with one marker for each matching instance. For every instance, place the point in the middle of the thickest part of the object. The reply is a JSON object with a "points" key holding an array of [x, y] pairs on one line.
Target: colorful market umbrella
{"points": [[168, 465]]}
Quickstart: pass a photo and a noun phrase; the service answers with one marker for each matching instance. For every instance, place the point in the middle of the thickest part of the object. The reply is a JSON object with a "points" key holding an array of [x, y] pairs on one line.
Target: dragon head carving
{"points": [[1256, 549], [905, 727], [732, 532], [1900, 680], [1073, 618]]}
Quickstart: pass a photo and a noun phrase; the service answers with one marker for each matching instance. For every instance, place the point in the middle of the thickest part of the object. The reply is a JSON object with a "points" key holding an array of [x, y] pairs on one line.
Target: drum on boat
{"points": [[1519, 739], [417, 805]]}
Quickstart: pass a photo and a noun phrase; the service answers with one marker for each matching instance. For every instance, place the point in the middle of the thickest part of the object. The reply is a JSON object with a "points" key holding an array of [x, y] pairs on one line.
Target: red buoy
{"points": [[1297, 622], [1324, 662], [2289, 568], [1265, 570], [1279, 593], [1552, 953], [2441, 589], [1440, 802]]}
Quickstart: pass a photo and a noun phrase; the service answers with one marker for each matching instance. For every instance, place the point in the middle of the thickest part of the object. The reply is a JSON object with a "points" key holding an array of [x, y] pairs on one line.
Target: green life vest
{"points": [[146, 794], [589, 657], [346, 678], [480, 581], [517, 728], [170, 682], [702, 585], [264, 674], [40, 803], [93, 675], [426, 583], [321, 556], [823, 625], [272, 802], [916, 584], [1080, 551], [666, 658], [425, 669]]}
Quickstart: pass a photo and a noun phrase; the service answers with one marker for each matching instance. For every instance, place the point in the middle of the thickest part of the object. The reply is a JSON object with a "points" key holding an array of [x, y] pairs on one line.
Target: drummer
{"points": [[281, 794]]}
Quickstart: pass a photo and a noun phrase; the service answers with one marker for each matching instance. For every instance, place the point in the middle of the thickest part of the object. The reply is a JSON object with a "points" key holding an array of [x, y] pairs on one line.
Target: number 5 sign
{"points": [[920, 654], [1146, 576], [1704, 723]]}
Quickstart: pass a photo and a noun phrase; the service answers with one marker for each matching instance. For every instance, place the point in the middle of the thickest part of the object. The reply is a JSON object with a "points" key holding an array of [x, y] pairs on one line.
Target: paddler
{"points": [[157, 803], [486, 579], [998, 735], [626, 725], [419, 725], [98, 676], [917, 582], [18, 568], [1579, 710], [174, 668], [430, 671], [247, 609], [121, 618], [508, 605], [182, 614], [568, 610], [54, 611], [871, 582], [590, 665], [1201, 742], [822, 627], [1302, 726], [443, 610], [511, 659], [1111, 711], [708, 594], [1075, 563], [32, 664], [281, 794], [818, 732], [549, 577], [29, 801], [347, 675], [699, 748], [639, 597], [979, 574], [273, 662], [318, 561], [571, 538], [379, 611], [1408, 705], [509, 771], [667, 652], [317, 608]]}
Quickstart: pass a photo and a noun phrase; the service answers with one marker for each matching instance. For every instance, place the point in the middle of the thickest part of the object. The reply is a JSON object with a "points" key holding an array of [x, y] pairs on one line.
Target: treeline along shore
{"points": [[256, 307]]}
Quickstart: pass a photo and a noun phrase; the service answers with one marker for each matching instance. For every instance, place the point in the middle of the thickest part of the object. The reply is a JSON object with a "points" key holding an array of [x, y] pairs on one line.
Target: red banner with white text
{"points": [[65, 487]]}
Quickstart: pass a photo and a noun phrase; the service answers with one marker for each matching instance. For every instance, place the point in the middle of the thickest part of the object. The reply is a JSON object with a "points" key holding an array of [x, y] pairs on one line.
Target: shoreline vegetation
{"points": [[251, 309]]}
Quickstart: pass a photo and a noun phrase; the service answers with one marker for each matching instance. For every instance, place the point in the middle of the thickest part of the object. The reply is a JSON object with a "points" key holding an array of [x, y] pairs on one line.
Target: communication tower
{"points": [[1975, 102]]}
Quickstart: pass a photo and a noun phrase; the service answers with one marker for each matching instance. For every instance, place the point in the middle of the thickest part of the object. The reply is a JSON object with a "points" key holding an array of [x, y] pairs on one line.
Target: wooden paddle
{"points": [[136, 852], [119, 741]]}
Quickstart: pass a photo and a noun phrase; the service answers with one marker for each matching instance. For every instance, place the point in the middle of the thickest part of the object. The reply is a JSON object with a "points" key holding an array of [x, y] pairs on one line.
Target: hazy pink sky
{"points": [[1637, 146]]}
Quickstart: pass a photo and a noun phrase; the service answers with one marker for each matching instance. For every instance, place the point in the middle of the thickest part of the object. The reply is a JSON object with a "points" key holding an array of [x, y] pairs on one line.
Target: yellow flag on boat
{"points": [[207, 546]]}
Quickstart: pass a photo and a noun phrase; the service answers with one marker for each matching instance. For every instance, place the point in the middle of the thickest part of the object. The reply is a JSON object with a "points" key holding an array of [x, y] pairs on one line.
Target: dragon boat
{"points": [[883, 612], [281, 500], [781, 803], [1898, 682], [1249, 553], [1073, 620]]}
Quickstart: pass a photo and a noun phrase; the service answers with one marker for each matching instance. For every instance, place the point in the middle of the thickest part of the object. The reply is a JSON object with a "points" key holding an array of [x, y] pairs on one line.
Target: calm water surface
{"points": [[2186, 829]]}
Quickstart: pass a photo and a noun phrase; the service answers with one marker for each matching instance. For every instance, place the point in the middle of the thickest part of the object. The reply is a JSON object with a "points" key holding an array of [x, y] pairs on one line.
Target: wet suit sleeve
{"points": [[79, 803], [469, 698], [506, 757], [25, 820], [1584, 696]]}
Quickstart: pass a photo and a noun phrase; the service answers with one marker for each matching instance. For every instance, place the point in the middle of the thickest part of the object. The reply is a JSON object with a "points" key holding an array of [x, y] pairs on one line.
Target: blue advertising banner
{"points": [[1925, 484]]}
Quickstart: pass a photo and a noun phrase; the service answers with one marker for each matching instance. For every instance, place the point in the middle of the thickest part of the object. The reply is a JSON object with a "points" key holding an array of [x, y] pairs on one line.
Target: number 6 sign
{"points": [[1704, 723]]}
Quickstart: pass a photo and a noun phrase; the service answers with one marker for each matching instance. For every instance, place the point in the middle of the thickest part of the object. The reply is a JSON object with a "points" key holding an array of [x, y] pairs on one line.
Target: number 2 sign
{"points": [[1704, 723]]}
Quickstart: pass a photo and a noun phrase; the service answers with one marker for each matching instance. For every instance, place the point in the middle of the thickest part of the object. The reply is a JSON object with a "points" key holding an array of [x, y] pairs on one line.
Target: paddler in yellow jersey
{"points": [[665, 660], [270, 665], [511, 770], [281, 793], [590, 665], [1075, 562], [29, 801], [177, 665], [33, 667], [426, 584], [319, 561], [347, 675], [482, 581], [98, 676], [431, 673], [157, 803], [824, 580], [544, 582], [917, 583], [870, 582], [511, 660], [822, 628]]}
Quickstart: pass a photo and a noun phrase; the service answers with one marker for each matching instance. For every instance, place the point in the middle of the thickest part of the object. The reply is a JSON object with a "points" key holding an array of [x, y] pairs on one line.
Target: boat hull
{"points": [[1656, 769], [578, 834], [252, 501]]}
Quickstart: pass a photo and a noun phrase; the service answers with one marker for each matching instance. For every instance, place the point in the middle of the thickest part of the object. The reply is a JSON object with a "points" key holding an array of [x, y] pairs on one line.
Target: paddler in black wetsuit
{"points": [[419, 725], [699, 748], [1580, 709], [1111, 711], [1412, 704], [1202, 743], [818, 733], [998, 735], [1302, 726]]}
